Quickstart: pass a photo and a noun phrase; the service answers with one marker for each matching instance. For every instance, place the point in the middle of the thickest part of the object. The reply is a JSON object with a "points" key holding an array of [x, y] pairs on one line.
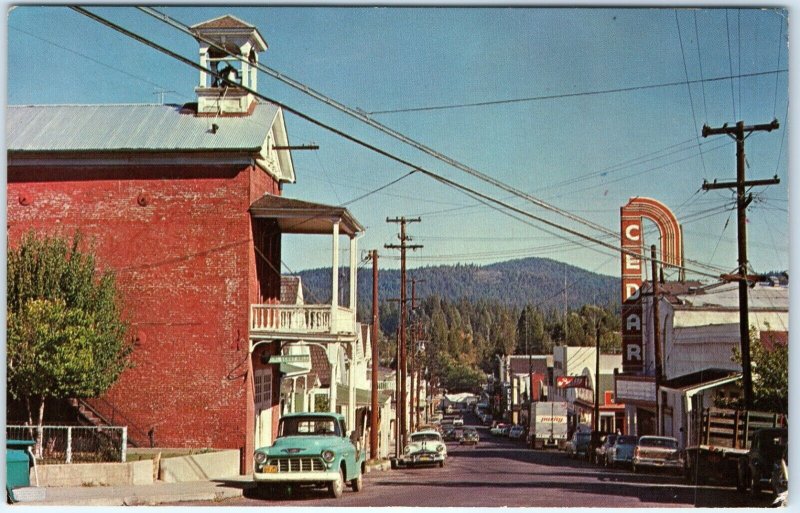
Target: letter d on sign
{"points": [[631, 291]]}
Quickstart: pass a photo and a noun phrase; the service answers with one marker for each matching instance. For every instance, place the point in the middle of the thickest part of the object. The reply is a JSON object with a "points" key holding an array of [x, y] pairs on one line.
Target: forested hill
{"points": [[515, 283]]}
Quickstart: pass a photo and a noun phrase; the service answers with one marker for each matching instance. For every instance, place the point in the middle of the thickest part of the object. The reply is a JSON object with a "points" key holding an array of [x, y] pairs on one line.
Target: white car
{"points": [[458, 421], [425, 447]]}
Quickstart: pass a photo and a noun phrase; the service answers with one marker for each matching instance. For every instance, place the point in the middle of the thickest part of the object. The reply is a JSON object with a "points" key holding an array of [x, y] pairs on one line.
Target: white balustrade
{"points": [[300, 319]]}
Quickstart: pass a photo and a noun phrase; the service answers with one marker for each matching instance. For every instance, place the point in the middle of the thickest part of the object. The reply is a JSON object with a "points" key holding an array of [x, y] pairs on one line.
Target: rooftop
{"points": [[132, 128]]}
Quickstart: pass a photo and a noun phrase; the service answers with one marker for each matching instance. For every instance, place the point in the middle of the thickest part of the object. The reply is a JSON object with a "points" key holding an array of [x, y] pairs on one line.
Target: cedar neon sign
{"points": [[631, 216]]}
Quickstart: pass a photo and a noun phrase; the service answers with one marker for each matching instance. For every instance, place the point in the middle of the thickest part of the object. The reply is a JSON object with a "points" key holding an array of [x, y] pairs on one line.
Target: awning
{"points": [[295, 216], [363, 396]]}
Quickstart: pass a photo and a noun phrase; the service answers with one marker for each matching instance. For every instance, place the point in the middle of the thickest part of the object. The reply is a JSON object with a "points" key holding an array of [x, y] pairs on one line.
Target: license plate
{"points": [[424, 458], [270, 469]]}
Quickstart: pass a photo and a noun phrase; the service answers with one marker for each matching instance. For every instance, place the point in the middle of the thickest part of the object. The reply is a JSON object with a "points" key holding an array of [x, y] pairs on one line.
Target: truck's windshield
{"points": [[308, 426]]}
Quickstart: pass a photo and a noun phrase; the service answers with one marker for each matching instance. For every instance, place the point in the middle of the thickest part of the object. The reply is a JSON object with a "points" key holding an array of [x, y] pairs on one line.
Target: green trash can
{"points": [[18, 464]]}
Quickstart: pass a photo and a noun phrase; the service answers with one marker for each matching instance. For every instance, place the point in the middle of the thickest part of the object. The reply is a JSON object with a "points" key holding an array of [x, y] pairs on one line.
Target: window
{"points": [[262, 379]]}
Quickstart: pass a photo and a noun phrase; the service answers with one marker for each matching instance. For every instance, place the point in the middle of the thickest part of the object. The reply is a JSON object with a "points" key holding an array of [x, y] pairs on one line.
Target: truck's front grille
{"points": [[298, 464]]}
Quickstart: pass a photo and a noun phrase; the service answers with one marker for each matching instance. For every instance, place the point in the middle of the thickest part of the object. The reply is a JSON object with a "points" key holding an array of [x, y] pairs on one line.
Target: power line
{"points": [[385, 153], [363, 117], [780, 49], [370, 193], [700, 63], [689, 88], [569, 95], [730, 62]]}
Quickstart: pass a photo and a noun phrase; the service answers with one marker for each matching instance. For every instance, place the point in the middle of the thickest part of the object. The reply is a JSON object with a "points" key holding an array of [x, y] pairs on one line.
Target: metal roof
{"points": [[133, 127]]}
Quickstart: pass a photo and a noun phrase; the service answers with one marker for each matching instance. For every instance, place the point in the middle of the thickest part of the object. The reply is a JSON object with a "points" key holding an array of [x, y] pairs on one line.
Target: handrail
{"points": [[137, 436]]}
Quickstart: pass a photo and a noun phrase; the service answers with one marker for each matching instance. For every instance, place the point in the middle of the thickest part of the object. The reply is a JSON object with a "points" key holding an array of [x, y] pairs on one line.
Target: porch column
{"points": [[335, 274], [353, 278], [333, 359], [351, 391]]}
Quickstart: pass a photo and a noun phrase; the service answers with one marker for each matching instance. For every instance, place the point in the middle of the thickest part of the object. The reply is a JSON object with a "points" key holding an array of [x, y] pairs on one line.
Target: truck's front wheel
{"points": [[336, 488], [357, 483]]}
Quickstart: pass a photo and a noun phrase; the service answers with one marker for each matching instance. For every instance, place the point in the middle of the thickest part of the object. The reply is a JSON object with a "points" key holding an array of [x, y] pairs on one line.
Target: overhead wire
{"points": [[700, 64], [446, 181], [780, 51], [730, 61], [361, 116], [568, 95], [689, 89]]}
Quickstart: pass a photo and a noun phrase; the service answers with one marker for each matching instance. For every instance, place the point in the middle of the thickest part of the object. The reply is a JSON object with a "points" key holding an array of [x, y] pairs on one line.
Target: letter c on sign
{"points": [[629, 232]]}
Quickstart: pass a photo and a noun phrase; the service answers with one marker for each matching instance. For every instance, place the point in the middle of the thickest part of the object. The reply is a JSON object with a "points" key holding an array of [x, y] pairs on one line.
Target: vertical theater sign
{"points": [[636, 385]]}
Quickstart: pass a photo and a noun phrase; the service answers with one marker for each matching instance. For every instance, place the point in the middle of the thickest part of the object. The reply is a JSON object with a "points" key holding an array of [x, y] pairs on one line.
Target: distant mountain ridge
{"points": [[538, 281]]}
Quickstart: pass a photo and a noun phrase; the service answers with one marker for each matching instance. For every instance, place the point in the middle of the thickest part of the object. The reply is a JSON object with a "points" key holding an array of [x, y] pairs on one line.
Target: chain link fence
{"points": [[74, 444]]}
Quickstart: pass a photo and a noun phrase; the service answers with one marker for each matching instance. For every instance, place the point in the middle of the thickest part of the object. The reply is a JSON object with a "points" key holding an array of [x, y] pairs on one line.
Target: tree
{"points": [[770, 364], [66, 337]]}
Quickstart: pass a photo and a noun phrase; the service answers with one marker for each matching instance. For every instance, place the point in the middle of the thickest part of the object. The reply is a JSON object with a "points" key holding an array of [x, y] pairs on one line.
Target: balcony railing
{"points": [[300, 319]]}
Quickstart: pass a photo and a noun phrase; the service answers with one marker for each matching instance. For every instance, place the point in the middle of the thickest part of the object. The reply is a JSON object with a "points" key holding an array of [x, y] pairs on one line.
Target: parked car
{"points": [[516, 432], [506, 429], [657, 452], [578, 445], [454, 434], [458, 421], [425, 447], [600, 452], [621, 452], [497, 430], [487, 419], [471, 437], [763, 461], [311, 448]]}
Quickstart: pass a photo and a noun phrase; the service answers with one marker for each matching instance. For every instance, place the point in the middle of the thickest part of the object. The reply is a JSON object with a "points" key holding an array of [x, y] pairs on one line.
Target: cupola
{"points": [[227, 95]]}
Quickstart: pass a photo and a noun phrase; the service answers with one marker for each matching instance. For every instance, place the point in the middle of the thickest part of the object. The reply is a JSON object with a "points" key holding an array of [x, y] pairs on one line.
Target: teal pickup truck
{"points": [[311, 449]]}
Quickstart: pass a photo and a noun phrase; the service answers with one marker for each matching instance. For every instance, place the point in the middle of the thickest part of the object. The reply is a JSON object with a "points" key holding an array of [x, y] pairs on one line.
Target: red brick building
{"points": [[184, 204]]}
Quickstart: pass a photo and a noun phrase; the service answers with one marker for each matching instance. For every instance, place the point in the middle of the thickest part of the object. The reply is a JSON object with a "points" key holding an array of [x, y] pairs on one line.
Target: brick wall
{"points": [[182, 245]]}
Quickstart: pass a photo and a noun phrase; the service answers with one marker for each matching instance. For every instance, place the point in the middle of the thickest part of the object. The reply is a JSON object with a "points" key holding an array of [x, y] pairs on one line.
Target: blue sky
{"points": [[584, 153]]}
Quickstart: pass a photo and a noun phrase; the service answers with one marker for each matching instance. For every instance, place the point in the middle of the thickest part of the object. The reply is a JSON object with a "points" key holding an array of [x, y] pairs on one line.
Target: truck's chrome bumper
{"points": [[295, 477]]}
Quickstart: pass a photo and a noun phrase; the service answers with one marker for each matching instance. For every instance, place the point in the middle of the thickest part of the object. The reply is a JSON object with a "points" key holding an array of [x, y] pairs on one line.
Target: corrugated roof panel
{"points": [[132, 128]]}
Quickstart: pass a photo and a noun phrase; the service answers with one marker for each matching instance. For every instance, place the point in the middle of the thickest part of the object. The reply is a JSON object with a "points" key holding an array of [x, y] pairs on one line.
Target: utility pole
{"points": [[656, 335], [403, 247], [373, 419], [415, 367], [739, 133], [596, 416]]}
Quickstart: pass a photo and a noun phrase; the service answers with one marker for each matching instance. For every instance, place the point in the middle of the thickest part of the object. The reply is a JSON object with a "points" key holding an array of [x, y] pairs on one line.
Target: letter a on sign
{"points": [[633, 323]]}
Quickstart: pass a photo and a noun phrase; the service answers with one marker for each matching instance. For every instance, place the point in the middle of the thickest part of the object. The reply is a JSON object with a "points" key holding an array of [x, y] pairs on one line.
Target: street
{"points": [[500, 472]]}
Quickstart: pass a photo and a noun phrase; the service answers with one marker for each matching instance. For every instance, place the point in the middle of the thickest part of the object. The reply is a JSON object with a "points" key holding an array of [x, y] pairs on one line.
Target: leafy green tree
{"points": [[66, 338], [770, 371]]}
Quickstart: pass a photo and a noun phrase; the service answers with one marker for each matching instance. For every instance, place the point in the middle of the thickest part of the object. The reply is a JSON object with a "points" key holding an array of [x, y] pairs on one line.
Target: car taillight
{"points": [[636, 452]]}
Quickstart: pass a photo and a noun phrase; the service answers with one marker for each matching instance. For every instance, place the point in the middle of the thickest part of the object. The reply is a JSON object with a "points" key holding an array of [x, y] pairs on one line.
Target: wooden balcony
{"points": [[301, 322]]}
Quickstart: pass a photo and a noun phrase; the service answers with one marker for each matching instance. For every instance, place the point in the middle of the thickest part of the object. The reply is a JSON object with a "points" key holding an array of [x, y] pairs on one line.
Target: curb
{"points": [[379, 465]]}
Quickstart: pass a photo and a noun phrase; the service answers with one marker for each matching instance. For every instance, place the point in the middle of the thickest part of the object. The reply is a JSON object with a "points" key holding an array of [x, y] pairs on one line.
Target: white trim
{"points": [[133, 158]]}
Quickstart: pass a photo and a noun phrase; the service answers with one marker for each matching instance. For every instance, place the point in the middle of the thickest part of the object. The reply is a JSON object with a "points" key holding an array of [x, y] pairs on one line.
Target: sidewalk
{"points": [[141, 495], [147, 495]]}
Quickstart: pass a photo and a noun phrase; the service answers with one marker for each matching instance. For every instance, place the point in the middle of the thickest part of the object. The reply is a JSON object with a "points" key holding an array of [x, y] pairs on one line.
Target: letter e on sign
{"points": [[633, 262]]}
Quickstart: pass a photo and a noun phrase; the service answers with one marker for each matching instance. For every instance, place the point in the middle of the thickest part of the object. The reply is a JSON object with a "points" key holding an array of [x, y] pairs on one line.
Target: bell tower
{"points": [[226, 95]]}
